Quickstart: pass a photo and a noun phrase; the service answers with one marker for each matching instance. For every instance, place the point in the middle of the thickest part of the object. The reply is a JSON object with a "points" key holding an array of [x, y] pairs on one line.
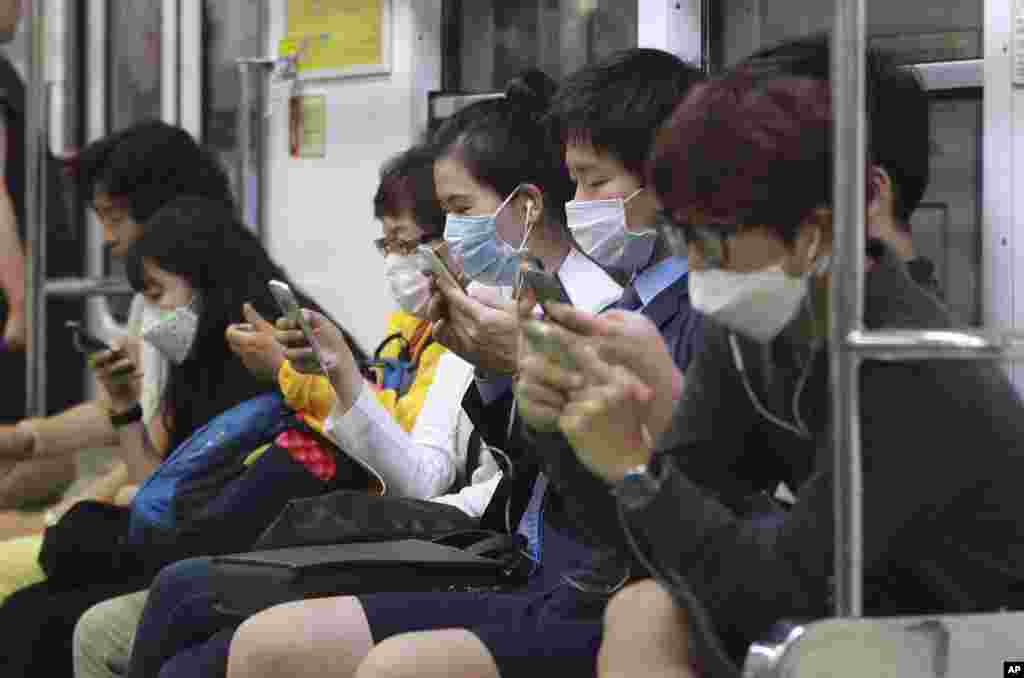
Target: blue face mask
{"points": [[485, 257]]}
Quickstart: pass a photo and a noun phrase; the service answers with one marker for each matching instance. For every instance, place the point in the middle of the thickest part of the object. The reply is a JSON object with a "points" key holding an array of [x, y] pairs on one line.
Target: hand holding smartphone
{"points": [[543, 337], [85, 342], [547, 288], [290, 309], [435, 258]]}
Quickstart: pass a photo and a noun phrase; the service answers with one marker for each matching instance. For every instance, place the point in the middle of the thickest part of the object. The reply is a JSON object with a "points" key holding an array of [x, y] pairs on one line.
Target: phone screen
{"points": [[85, 342], [438, 266], [546, 286], [290, 308]]}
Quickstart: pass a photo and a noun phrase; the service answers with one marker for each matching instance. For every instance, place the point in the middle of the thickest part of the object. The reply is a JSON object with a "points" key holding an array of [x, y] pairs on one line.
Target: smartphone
{"points": [[436, 257], [84, 341], [546, 286], [290, 308]]}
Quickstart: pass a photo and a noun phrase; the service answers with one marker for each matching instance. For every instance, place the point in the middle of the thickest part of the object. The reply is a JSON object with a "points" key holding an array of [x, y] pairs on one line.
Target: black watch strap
{"points": [[126, 417]]}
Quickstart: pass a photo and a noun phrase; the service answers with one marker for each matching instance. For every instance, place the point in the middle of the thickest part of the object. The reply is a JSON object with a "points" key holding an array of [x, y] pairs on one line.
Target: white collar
{"points": [[589, 287]]}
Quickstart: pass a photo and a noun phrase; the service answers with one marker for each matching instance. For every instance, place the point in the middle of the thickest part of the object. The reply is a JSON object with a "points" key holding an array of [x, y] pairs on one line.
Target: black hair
{"points": [[504, 142], [618, 103], [407, 183], [897, 110], [747, 150], [149, 164], [204, 242]]}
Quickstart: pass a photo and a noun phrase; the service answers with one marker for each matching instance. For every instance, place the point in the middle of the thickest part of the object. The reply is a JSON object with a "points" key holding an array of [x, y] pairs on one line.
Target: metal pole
{"points": [[35, 213], [847, 297], [250, 153]]}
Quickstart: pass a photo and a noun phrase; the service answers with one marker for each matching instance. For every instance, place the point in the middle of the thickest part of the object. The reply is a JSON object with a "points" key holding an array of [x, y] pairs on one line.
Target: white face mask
{"points": [[409, 287], [758, 304], [174, 332], [599, 227]]}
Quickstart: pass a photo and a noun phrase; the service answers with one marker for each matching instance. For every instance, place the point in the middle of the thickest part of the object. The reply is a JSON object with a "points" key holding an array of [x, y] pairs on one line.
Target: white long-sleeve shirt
{"points": [[424, 462], [429, 460]]}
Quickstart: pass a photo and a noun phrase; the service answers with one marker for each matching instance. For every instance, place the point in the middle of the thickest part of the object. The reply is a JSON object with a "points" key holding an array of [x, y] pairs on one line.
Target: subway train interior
{"points": [[305, 106]]}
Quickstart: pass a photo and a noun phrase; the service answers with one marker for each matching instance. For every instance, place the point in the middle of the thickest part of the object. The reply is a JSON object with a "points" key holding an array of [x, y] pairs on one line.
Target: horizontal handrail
{"points": [[942, 344], [80, 288]]}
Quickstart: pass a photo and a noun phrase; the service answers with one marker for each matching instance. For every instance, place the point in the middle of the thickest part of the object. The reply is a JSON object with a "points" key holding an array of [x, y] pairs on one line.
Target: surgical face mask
{"points": [[485, 257], [759, 304], [409, 287], [599, 227], [174, 332]]}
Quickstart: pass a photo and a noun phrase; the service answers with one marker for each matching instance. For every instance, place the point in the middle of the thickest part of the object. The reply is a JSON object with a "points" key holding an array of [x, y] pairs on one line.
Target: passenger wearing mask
{"points": [[410, 431], [606, 115], [380, 422], [499, 176], [177, 264], [760, 251], [127, 177], [123, 193]]}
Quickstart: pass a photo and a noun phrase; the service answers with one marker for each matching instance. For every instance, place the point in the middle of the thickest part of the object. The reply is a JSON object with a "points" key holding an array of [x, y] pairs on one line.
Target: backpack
{"points": [[209, 494], [399, 373]]}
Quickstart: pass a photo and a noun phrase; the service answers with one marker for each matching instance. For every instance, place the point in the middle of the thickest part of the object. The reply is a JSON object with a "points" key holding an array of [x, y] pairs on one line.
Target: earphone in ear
{"points": [[529, 210]]}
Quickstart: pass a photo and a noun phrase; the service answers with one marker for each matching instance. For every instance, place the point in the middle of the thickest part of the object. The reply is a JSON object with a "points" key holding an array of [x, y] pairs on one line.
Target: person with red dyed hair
{"points": [[744, 171]]}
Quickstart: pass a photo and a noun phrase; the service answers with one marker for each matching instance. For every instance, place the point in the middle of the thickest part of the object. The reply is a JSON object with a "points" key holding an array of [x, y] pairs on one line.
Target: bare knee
{"points": [[643, 627], [305, 638], [454, 653]]}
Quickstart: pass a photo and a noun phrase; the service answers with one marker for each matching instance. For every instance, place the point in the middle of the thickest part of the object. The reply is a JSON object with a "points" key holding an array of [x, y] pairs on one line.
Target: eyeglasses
{"points": [[710, 240], [388, 246]]}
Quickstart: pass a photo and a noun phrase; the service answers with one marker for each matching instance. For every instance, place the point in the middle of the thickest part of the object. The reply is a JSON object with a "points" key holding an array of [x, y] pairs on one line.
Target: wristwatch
{"points": [[639, 486], [126, 417]]}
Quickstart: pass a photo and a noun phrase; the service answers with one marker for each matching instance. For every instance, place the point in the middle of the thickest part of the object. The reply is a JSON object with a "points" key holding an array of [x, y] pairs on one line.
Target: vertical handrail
{"points": [[35, 200], [170, 61], [250, 160], [847, 297]]}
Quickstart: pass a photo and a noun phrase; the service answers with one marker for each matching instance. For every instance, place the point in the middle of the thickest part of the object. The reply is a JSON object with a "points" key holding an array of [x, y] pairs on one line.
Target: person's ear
{"points": [[533, 203], [813, 241], [880, 194]]}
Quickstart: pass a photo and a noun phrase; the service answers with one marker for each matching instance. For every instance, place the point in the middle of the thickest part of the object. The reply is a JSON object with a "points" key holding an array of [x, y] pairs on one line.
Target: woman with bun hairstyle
{"points": [[499, 176]]}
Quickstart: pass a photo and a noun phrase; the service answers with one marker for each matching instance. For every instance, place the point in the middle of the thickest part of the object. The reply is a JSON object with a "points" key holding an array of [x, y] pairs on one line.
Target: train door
{"points": [[109, 65]]}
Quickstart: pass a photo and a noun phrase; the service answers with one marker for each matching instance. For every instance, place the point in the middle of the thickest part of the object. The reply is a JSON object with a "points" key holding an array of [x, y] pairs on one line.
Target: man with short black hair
{"points": [[745, 168], [898, 117], [127, 176]]}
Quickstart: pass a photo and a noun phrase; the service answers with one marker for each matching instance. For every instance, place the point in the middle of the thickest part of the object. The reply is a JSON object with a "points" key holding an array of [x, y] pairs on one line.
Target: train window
{"points": [[916, 31], [487, 42], [231, 30], [134, 30], [947, 226]]}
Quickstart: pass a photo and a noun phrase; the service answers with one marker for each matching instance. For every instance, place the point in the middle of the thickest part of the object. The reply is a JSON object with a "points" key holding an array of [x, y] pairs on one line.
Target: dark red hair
{"points": [[748, 150]]}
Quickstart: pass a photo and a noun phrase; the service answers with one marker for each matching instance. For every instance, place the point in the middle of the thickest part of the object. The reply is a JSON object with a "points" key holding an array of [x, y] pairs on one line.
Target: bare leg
{"points": [[430, 654], [644, 635], [328, 636]]}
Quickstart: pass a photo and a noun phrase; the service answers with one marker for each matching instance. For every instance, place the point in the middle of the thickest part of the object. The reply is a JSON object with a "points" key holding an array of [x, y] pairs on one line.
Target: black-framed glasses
{"points": [[388, 245], [710, 240]]}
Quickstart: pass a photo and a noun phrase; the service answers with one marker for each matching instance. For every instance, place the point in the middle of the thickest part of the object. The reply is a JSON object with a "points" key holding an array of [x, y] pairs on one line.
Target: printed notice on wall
{"points": [[337, 38], [307, 126]]}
